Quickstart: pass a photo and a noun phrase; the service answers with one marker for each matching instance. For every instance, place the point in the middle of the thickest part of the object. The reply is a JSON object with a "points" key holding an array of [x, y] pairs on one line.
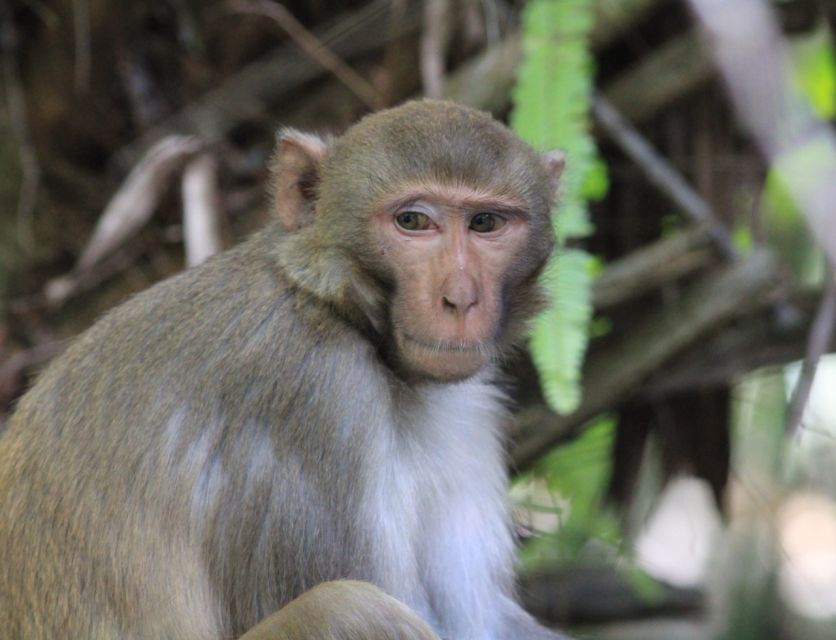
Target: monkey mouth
{"points": [[441, 360], [449, 346]]}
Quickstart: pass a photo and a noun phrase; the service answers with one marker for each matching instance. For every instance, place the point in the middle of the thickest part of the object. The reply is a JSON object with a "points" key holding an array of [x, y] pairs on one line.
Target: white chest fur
{"points": [[437, 505]]}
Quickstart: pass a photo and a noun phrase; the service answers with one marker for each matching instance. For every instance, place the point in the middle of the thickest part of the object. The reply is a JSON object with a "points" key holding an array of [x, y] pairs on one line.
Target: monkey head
{"points": [[428, 224]]}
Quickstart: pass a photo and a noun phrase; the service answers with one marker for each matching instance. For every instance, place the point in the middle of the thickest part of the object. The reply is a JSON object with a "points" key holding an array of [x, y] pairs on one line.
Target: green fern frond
{"points": [[551, 105], [559, 336]]}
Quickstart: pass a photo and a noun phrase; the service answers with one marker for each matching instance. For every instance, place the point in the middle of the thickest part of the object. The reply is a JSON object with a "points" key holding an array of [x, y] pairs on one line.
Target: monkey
{"points": [[320, 403]]}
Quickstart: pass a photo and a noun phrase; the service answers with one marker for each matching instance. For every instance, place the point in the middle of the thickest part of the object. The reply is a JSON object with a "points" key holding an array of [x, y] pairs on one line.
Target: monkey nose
{"points": [[460, 299]]}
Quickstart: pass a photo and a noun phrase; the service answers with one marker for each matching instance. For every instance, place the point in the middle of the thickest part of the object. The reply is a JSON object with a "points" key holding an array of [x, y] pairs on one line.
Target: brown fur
{"points": [[362, 611]]}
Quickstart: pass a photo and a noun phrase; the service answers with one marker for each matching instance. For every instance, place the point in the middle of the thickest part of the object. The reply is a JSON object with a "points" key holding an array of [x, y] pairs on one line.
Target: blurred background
{"points": [[674, 445]]}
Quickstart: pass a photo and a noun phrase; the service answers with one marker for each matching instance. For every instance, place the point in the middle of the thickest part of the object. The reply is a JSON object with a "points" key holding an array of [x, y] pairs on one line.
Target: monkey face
{"points": [[426, 224], [448, 251]]}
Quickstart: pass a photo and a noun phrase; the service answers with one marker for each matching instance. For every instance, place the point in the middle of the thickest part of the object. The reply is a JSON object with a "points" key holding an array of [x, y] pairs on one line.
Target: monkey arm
{"points": [[342, 610]]}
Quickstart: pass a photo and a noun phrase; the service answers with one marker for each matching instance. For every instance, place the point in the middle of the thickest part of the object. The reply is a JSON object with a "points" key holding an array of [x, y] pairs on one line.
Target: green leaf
{"points": [[551, 111], [576, 477], [742, 238], [805, 166], [814, 66], [560, 335]]}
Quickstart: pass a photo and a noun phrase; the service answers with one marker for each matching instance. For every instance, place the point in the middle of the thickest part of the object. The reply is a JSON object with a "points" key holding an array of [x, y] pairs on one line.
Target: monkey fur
{"points": [[345, 609], [316, 404]]}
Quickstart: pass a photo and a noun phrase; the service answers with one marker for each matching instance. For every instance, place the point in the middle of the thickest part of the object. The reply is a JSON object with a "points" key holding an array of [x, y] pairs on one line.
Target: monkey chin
{"points": [[441, 361]]}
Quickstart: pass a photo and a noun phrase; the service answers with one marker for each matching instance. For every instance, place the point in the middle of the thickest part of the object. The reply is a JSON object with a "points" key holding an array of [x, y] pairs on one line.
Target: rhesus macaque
{"points": [[319, 403]]}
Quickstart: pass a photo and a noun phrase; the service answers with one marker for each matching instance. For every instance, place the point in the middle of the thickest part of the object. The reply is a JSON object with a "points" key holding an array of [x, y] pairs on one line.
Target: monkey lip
{"points": [[447, 346], [443, 360]]}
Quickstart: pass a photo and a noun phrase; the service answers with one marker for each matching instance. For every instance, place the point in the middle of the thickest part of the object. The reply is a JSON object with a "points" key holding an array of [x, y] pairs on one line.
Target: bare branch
{"points": [[135, 201], [58, 290], [670, 71], [438, 22], [818, 342], [128, 210], [201, 209], [249, 92], [651, 266], [311, 45], [611, 374], [661, 173]]}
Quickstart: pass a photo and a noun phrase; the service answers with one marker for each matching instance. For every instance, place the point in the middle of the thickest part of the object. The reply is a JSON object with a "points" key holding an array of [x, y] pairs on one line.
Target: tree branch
{"points": [[613, 372], [661, 173]]}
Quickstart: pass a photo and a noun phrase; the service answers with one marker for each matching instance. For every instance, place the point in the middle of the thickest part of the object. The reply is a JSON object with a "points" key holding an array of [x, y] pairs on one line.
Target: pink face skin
{"points": [[448, 249]]}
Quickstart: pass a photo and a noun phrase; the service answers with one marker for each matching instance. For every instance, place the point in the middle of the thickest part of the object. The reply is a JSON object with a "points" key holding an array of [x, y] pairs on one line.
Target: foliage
{"points": [[813, 69], [551, 101], [772, 468], [570, 483]]}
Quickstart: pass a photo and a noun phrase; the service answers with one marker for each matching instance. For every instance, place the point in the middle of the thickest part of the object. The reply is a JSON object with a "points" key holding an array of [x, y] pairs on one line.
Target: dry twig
{"points": [[661, 173], [655, 337], [438, 23], [818, 342], [201, 209], [128, 210], [249, 92], [311, 45]]}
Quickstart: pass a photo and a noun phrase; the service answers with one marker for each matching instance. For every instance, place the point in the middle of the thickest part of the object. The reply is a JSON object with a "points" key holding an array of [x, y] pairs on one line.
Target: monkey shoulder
{"points": [[233, 322]]}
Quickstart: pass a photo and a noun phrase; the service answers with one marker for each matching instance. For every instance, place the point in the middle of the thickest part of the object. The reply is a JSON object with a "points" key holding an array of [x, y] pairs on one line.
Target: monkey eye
{"points": [[486, 222], [414, 221]]}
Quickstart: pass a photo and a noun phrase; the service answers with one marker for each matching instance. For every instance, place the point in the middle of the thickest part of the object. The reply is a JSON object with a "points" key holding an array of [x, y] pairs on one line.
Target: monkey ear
{"points": [[296, 175], [555, 162]]}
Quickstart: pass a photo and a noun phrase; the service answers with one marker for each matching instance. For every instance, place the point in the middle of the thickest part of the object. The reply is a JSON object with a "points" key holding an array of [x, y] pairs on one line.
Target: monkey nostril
{"points": [[458, 306]]}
